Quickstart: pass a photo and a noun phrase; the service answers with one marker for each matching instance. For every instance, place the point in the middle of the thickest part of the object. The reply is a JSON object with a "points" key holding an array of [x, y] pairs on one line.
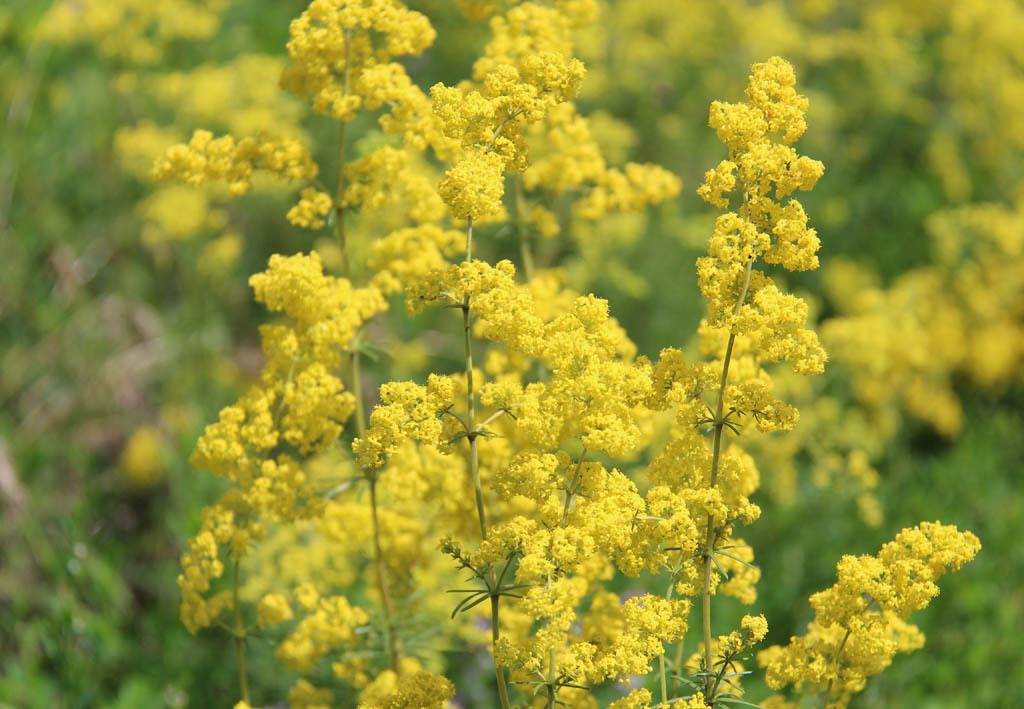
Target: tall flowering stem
{"points": [[467, 338], [339, 193], [355, 371], [473, 433], [760, 322], [716, 456]]}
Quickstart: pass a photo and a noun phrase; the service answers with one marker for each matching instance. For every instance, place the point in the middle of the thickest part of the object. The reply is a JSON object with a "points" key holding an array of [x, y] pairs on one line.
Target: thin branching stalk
{"points": [[393, 641], [239, 633], [474, 470], [570, 494], [661, 658], [355, 362], [716, 453], [522, 236], [835, 665]]}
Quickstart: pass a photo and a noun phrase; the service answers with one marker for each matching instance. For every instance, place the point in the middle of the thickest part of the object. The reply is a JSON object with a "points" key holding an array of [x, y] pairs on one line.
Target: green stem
{"points": [[661, 658], [243, 676], [499, 671], [525, 249], [357, 389], [393, 641], [570, 494], [835, 664], [716, 453], [679, 657], [339, 183], [467, 340], [474, 471], [339, 203]]}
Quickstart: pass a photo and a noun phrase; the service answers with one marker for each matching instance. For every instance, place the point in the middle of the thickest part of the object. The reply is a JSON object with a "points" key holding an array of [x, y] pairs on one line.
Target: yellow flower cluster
{"points": [[142, 462], [413, 688], [407, 412], [523, 464], [236, 96], [860, 622], [962, 314], [298, 402], [526, 72], [764, 169], [388, 176], [334, 42], [311, 209], [329, 625], [134, 30], [226, 159]]}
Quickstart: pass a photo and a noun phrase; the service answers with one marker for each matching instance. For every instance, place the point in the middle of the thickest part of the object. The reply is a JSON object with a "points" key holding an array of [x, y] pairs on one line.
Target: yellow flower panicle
{"points": [[762, 170], [311, 209], [298, 402], [335, 42], [226, 159], [526, 72], [860, 622]]}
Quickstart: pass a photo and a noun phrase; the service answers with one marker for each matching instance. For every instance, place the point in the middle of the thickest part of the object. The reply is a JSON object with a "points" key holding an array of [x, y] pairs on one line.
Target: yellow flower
{"points": [[311, 209], [860, 622], [227, 159]]}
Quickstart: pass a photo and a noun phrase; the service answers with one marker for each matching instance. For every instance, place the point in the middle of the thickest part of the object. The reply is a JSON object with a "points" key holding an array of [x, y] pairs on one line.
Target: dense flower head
{"points": [[527, 71], [860, 622], [764, 169], [334, 41], [229, 160], [311, 209]]}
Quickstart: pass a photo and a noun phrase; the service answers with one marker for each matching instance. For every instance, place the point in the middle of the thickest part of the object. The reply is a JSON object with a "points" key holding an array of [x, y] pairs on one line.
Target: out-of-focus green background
{"points": [[103, 334]]}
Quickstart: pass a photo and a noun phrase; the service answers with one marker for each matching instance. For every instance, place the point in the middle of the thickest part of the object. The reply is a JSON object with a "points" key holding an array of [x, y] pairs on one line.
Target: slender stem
{"points": [[551, 689], [678, 660], [387, 606], [339, 183], [570, 494], [661, 658], [467, 339], [525, 249], [243, 677], [357, 389], [394, 643], [474, 470], [499, 671], [716, 453], [835, 662], [339, 201]]}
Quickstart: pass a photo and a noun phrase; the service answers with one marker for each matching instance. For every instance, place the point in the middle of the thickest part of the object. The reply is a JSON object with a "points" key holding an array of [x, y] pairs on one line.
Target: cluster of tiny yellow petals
{"points": [[311, 209], [407, 411], [764, 169], [330, 625], [408, 690], [527, 71], [408, 258], [333, 42], [226, 159], [128, 29], [274, 608], [860, 622], [473, 187]]}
